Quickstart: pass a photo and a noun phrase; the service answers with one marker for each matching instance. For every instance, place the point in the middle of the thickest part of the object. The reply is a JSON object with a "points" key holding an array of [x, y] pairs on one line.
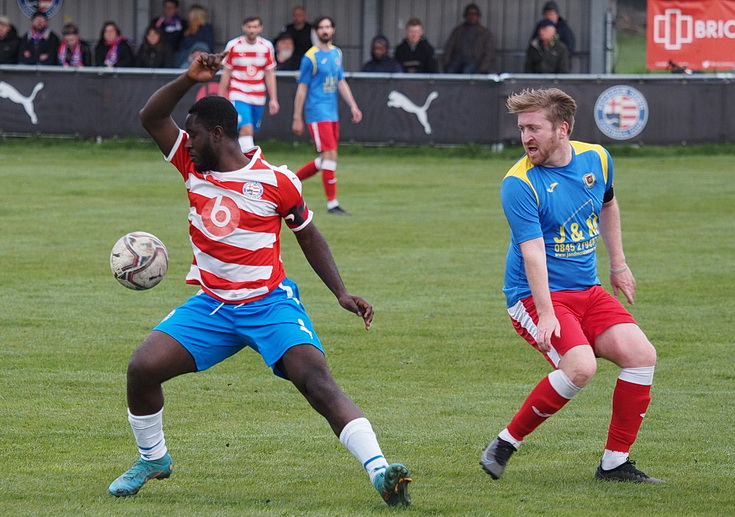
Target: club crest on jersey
{"points": [[589, 180], [253, 190]]}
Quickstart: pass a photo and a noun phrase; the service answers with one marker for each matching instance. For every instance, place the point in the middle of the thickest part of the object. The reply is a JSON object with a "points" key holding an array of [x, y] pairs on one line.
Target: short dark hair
{"points": [[320, 19], [471, 7], [212, 111], [69, 28], [253, 18]]}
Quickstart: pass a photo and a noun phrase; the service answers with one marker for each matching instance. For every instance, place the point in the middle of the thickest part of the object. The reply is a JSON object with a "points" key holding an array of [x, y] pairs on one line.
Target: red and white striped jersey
{"points": [[235, 224], [248, 63]]}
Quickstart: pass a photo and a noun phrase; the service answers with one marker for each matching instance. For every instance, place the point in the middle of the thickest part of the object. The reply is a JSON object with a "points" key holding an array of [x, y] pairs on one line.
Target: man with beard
{"points": [[321, 76], [558, 200], [237, 202]]}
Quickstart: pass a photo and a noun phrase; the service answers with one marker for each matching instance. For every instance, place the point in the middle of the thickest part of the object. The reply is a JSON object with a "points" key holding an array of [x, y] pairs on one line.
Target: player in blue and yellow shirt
{"points": [[321, 76], [559, 201]]}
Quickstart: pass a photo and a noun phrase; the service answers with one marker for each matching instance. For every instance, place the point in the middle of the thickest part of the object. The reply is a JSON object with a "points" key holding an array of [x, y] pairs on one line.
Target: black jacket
{"points": [[420, 59], [9, 47], [41, 52]]}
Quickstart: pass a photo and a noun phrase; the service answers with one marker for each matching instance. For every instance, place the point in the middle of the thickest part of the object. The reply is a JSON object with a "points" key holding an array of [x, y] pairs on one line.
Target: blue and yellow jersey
{"points": [[562, 205], [321, 71]]}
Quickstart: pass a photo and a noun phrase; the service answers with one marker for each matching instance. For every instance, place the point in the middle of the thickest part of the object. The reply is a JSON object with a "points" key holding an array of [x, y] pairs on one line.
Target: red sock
{"points": [[307, 171], [541, 403], [329, 179], [629, 406]]}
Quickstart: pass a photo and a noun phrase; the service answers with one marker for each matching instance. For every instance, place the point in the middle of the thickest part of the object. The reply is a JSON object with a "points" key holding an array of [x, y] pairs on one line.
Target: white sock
{"points": [[246, 142], [505, 435], [358, 437], [148, 432], [333, 203], [613, 459]]}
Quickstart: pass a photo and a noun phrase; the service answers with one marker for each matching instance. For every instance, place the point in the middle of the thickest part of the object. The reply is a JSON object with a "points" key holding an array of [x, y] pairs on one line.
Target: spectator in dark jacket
{"points": [[9, 42], [154, 52], [551, 12], [199, 35], [414, 53], [546, 53], [112, 49], [40, 45], [470, 48], [381, 61], [73, 52], [171, 23]]}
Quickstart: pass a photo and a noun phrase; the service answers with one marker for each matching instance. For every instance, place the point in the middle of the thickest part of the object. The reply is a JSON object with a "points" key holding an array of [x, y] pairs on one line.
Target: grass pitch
{"points": [[438, 375]]}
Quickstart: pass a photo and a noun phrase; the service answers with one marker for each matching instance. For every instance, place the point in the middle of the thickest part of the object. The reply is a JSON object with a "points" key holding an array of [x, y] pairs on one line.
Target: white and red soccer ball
{"points": [[139, 260]]}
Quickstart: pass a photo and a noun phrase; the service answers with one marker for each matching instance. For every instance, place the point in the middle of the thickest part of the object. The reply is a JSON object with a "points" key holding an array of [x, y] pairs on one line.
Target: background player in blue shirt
{"points": [[559, 201], [321, 76]]}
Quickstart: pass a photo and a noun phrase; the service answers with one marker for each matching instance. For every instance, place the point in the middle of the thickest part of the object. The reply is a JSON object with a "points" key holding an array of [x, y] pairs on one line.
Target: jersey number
{"points": [[221, 216]]}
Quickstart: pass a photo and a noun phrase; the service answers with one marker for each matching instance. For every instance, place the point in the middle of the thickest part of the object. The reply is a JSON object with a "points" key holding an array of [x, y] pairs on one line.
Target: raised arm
{"points": [[317, 253], [156, 114]]}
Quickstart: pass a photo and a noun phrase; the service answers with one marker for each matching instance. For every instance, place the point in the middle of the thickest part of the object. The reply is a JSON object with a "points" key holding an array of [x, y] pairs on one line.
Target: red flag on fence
{"points": [[697, 34]]}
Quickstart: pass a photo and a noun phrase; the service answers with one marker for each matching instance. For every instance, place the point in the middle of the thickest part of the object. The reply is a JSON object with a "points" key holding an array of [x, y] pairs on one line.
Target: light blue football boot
{"points": [[392, 485], [139, 474]]}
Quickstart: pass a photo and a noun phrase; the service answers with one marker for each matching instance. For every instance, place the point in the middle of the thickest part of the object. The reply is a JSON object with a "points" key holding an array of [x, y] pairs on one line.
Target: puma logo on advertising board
{"points": [[9, 92], [398, 100]]}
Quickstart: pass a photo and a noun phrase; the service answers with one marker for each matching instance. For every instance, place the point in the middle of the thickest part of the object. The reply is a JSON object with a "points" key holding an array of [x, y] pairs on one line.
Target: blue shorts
{"points": [[248, 114], [212, 331]]}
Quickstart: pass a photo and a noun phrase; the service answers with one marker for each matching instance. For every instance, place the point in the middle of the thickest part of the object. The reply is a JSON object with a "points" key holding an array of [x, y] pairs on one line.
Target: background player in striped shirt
{"points": [[249, 72], [559, 201], [321, 76], [238, 202]]}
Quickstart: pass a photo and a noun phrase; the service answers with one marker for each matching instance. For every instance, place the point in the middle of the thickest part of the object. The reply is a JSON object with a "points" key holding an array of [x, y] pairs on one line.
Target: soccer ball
{"points": [[139, 260]]}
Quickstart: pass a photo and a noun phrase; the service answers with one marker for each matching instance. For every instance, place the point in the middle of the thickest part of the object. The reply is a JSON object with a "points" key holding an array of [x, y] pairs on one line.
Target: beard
{"points": [[205, 160]]}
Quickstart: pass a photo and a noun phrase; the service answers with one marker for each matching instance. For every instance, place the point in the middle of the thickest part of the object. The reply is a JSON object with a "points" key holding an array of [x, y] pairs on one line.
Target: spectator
{"points": [[248, 75], [286, 58], [301, 31], [381, 61], [9, 42], [198, 48], [40, 45], [546, 53], [551, 12], [171, 24], [154, 52], [198, 31], [112, 49], [414, 53], [470, 48], [73, 52]]}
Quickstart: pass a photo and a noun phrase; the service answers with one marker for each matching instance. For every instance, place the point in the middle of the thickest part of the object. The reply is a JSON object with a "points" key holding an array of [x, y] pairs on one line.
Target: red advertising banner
{"points": [[696, 34]]}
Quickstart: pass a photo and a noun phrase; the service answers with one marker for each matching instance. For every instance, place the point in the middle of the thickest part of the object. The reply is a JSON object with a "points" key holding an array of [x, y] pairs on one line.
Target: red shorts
{"points": [[325, 135], [582, 315]]}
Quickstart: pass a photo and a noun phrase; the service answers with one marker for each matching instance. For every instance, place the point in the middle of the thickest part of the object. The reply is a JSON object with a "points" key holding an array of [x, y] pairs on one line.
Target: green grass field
{"points": [[439, 374]]}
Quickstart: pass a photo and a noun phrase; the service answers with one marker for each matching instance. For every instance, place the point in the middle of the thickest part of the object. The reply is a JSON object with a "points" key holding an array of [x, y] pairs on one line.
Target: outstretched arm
{"points": [[317, 252], [156, 114]]}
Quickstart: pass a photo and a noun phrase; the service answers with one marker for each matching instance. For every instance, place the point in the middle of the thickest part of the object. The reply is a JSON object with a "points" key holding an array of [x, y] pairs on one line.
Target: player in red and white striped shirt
{"points": [[248, 74], [237, 203]]}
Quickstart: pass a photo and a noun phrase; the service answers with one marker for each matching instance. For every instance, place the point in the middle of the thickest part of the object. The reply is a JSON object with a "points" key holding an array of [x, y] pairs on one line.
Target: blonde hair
{"points": [[558, 105], [197, 17]]}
